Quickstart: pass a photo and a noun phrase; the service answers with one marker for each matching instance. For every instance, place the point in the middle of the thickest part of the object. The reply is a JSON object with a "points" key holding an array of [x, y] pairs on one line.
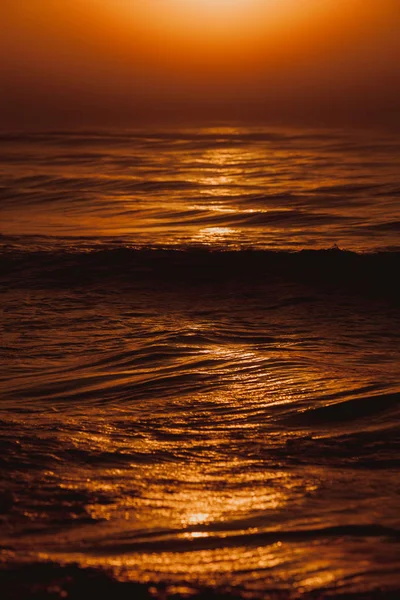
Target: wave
{"points": [[349, 410], [332, 268]]}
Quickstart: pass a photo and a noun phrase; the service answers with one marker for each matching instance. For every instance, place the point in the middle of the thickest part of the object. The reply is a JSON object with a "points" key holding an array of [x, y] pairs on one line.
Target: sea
{"points": [[199, 385]]}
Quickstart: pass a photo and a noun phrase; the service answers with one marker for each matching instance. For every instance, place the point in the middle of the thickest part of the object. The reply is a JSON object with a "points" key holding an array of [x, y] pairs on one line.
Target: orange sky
{"points": [[133, 62]]}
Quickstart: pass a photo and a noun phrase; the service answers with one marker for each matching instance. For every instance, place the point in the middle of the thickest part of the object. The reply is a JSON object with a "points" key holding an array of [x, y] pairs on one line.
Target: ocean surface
{"points": [[199, 386]]}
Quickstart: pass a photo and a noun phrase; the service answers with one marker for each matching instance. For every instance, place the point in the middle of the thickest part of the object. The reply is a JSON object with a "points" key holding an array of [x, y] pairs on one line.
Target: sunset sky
{"points": [[137, 62]]}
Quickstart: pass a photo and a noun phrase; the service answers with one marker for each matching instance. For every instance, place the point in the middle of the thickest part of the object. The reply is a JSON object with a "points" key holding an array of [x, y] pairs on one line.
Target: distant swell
{"points": [[332, 268]]}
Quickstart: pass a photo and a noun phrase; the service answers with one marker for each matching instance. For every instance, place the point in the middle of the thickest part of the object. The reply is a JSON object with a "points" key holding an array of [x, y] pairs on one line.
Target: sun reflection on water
{"points": [[197, 518], [209, 236]]}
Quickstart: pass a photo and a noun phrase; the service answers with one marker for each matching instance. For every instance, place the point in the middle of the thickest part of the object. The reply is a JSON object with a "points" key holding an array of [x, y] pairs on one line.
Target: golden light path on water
{"points": [[209, 516], [232, 188]]}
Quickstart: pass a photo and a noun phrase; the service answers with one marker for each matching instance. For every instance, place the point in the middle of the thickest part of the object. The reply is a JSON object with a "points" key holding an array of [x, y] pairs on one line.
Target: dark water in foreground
{"points": [[194, 393]]}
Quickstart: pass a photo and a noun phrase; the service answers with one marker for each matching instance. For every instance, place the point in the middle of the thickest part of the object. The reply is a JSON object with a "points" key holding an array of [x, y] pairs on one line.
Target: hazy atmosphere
{"points": [[130, 62]]}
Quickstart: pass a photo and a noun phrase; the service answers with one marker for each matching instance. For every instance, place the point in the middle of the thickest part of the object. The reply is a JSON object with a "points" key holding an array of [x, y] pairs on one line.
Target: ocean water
{"points": [[199, 387]]}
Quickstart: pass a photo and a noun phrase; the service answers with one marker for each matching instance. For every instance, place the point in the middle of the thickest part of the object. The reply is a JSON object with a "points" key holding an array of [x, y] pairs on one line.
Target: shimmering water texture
{"points": [[222, 188], [196, 397]]}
